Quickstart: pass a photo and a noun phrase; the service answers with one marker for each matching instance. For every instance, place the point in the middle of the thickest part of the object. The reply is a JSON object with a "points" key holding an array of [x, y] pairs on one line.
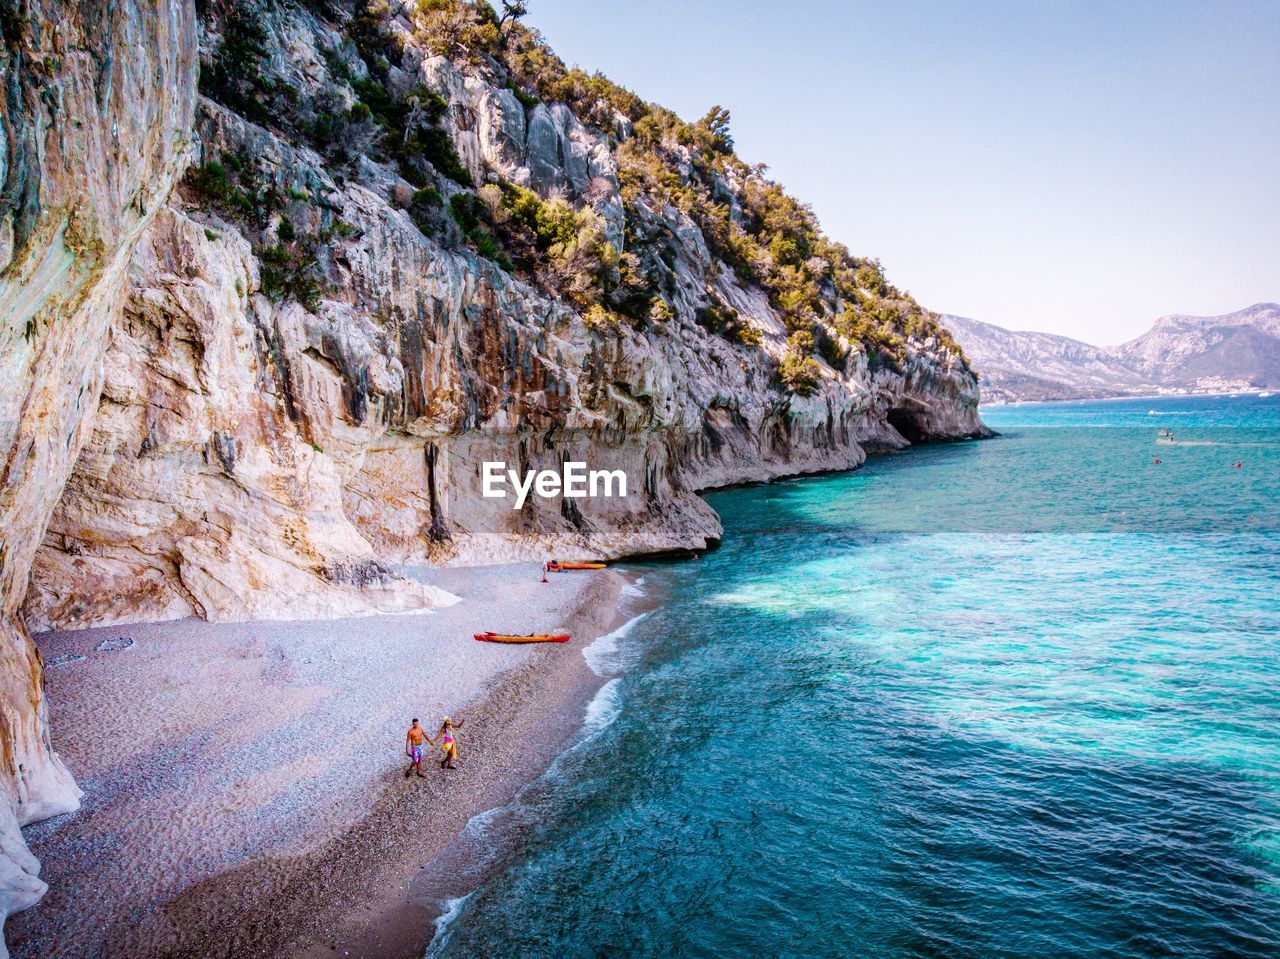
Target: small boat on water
{"points": [[527, 638], [1263, 396], [555, 566], [1165, 436]]}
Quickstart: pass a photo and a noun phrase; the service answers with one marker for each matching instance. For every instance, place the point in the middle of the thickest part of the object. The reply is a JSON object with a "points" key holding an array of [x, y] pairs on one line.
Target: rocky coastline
{"points": [[252, 371]]}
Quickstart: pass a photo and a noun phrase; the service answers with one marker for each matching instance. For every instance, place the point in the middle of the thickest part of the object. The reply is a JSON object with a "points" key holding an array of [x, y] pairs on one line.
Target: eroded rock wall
{"points": [[202, 492], [250, 454], [94, 126]]}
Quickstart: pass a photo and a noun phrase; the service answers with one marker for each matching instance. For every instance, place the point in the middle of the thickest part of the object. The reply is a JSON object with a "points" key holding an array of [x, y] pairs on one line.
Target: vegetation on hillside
{"points": [[831, 301]]}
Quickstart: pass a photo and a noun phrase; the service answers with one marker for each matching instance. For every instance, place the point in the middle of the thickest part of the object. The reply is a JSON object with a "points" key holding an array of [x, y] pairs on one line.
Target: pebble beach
{"points": [[255, 770]]}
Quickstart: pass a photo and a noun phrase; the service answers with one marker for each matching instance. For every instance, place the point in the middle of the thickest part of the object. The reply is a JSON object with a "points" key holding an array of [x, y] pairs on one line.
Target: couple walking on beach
{"points": [[414, 739]]}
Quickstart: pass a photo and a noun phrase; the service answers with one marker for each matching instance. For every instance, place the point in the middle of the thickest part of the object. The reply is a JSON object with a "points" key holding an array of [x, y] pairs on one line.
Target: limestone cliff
{"points": [[409, 241], [94, 122], [315, 359]]}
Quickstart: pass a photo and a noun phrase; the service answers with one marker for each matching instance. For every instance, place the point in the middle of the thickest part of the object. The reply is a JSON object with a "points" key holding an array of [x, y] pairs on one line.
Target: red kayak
{"points": [[528, 638]]}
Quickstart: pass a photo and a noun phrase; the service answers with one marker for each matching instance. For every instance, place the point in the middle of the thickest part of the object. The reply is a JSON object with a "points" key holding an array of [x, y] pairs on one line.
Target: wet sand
{"points": [[244, 788]]}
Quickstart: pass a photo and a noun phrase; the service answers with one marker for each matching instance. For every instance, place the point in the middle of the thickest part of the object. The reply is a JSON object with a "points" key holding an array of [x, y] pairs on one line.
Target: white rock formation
{"points": [[255, 459], [197, 494], [94, 129]]}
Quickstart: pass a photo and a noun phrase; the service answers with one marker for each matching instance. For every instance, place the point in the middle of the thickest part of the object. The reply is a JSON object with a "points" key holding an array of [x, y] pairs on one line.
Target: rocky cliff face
{"points": [[257, 456], [395, 257], [94, 122]]}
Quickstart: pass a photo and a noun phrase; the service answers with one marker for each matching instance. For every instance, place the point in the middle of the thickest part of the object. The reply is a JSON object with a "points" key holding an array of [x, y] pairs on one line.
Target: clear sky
{"points": [[1079, 168]]}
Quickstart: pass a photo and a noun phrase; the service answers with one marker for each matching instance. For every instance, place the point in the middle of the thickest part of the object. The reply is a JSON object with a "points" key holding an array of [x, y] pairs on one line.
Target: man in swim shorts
{"points": [[447, 742], [413, 741]]}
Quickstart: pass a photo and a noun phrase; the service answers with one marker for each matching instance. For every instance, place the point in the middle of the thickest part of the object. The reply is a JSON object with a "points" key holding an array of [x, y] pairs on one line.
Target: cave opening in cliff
{"points": [[905, 421]]}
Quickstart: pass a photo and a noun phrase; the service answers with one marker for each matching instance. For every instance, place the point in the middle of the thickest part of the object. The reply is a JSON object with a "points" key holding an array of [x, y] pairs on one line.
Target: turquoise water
{"points": [[1012, 698]]}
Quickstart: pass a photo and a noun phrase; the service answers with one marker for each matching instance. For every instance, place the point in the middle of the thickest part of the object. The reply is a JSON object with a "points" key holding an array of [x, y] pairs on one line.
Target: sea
{"points": [[1009, 698]]}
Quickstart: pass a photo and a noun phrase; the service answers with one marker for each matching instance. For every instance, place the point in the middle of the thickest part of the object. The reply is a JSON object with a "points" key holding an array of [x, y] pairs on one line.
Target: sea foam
{"points": [[606, 656], [452, 910], [602, 710], [478, 825]]}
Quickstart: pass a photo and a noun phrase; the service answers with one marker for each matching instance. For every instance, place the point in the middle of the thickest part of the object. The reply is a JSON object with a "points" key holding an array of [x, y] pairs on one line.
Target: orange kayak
{"points": [[556, 567], [530, 638]]}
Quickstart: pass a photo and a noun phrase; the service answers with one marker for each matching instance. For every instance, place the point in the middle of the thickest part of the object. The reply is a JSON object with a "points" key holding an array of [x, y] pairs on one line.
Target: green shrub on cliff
{"points": [[801, 342], [599, 318], [286, 274], [424, 209], [487, 247], [527, 100], [465, 211], [830, 347], [209, 181], [660, 311], [457, 30], [236, 190], [720, 318], [869, 332], [369, 106], [469, 213], [800, 374]]}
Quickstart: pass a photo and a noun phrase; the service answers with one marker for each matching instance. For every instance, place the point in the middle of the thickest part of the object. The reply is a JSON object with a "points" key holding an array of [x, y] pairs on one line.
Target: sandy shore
{"points": [[244, 788]]}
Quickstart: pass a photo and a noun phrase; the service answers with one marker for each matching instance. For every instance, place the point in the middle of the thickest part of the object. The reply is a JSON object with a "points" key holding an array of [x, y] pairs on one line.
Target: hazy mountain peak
{"points": [[1260, 314], [1181, 353]]}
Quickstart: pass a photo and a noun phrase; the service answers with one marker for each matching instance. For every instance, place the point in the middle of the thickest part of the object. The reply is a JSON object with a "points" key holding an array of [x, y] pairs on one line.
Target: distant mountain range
{"points": [[1179, 354]]}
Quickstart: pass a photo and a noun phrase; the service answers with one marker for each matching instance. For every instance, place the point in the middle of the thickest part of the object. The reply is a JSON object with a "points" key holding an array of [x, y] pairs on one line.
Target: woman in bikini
{"points": [[447, 742]]}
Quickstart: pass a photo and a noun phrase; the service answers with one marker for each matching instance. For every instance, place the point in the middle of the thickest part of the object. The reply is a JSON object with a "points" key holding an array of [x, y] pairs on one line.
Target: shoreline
{"points": [[537, 716], [338, 875], [206, 794], [1261, 393]]}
